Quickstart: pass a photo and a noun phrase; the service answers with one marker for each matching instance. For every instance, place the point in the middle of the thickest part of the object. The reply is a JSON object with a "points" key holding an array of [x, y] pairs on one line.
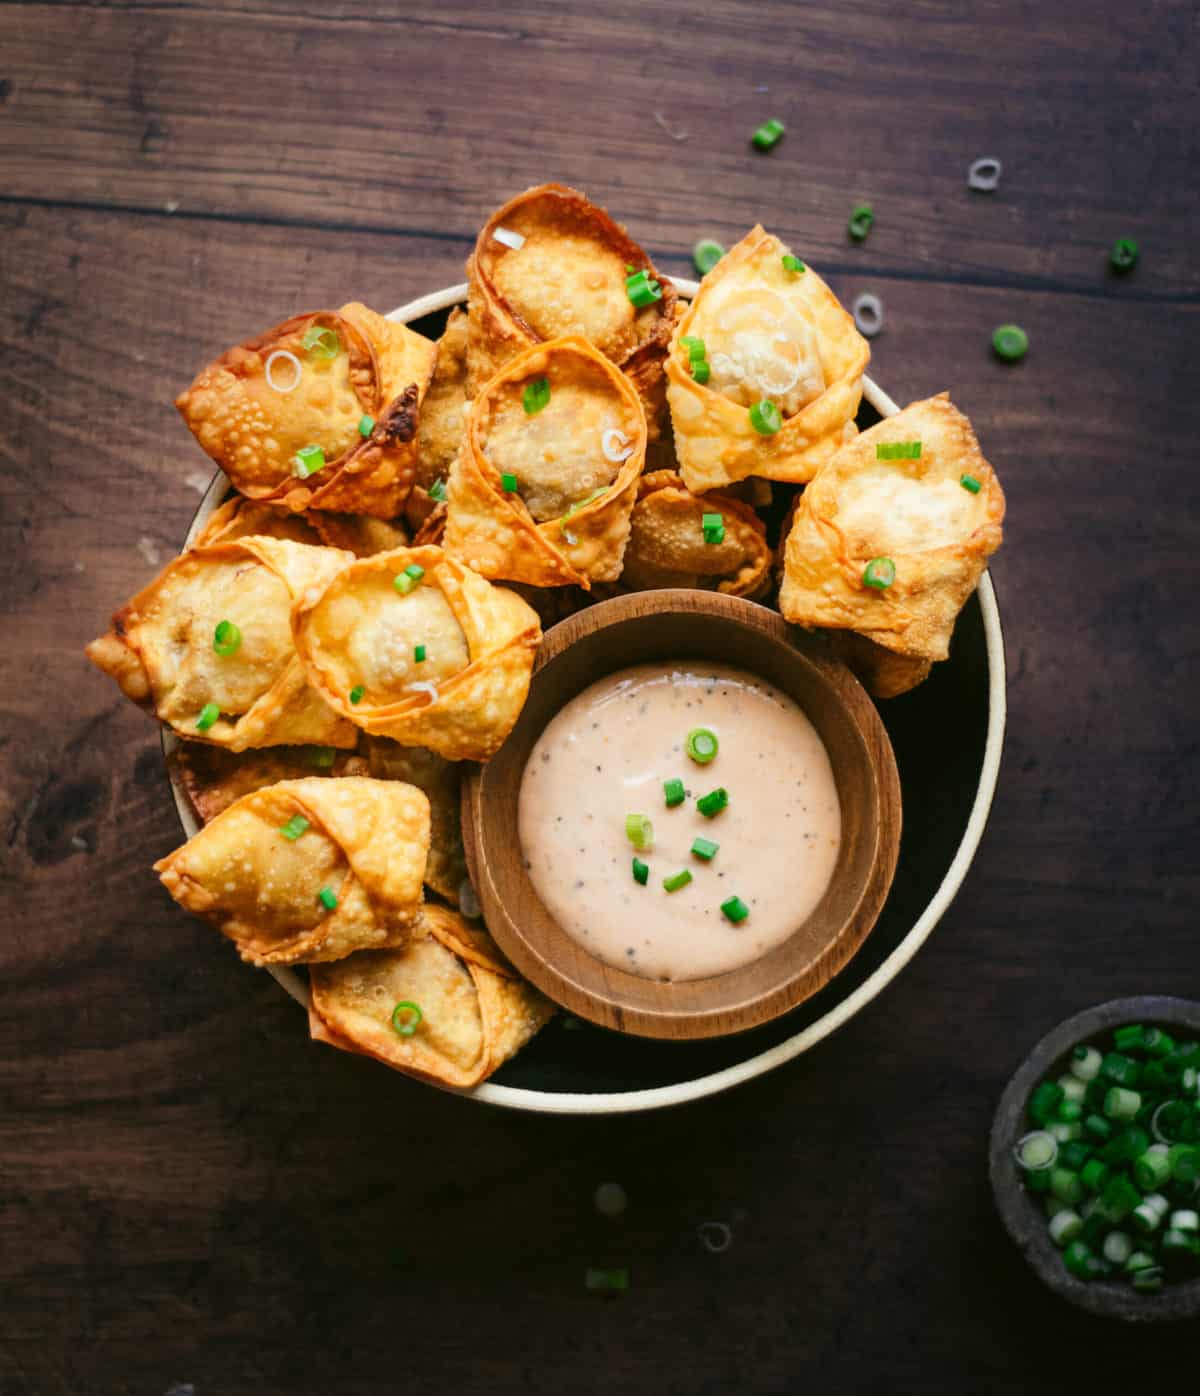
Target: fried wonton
{"points": [[547, 477], [308, 869], [242, 518], [881, 672], [913, 493], [245, 687], [318, 413], [565, 275], [475, 1011], [356, 533], [441, 781], [414, 646], [668, 547], [769, 335], [213, 778], [443, 419]]}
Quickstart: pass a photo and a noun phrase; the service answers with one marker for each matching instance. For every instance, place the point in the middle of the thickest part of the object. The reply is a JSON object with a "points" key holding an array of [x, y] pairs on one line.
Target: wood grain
{"points": [[656, 627], [193, 1194]]}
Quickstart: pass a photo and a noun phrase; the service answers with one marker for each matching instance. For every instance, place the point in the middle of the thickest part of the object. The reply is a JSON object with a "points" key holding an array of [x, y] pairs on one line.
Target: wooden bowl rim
{"points": [[1023, 1218], [713, 1082], [668, 1019]]}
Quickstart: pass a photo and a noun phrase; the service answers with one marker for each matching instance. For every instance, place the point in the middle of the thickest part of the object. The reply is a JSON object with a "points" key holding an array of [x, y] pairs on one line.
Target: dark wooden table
{"points": [[194, 1195]]}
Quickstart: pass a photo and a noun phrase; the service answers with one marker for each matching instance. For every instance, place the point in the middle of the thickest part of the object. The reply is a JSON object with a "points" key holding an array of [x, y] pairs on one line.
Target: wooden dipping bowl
{"points": [[706, 626]]}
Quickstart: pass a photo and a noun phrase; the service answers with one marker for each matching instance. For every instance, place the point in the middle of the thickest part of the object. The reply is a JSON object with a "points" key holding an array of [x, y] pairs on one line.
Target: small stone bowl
{"points": [[1020, 1210]]}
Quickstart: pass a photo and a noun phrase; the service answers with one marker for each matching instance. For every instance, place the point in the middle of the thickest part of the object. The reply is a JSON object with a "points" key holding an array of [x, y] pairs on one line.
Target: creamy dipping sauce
{"points": [[608, 753]]}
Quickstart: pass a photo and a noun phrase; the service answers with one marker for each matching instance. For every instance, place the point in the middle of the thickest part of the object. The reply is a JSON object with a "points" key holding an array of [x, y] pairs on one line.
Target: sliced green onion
{"points": [[713, 803], [792, 264], [641, 871], [1044, 1101], [536, 396], [1153, 1168], [898, 450], [677, 880], [366, 424], [1127, 1145], [1066, 1185], [1072, 1087], [1069, 1111], [597, 1281], [1129, 1037], [969, 482], [406, 1017], [438, 491], [1185, 1162], [418, 654], [1098, 1127], [1064, 1132], [1094, 1174], [227, 638], [1119, 1197], [735, 909], [1185, 1219], [1146, 1217], [701, 745], [1065, 1226], [321, 343], [1079, 1260], [639, 831], [642, 289], [765, 417], [713, 526], [862, 220], [1074, 1154], [1010, 342], [706, 254], [508, 483], [1037, 1150], [1120, 1104], [1120, 1069], [1118, 1247], [673, 792], [208, 715], [328, 898], [1124, 254], [295, 826], [409, 578], [578, 505], [768, 134], [322, 757], [701, 371], [356, 693], [879, 573], [694, 346], [307, 461], [705, 849]]}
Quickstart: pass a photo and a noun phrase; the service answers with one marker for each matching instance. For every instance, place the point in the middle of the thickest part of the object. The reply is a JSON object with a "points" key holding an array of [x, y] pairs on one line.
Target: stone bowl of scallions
{"points": [[1095, 1159]]}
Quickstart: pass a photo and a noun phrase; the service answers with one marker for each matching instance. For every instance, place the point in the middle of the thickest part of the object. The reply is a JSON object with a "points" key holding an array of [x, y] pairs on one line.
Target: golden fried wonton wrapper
{"points": [[213, 778], [768, 334], [938, 534], [881, 672], [441, 780], [667, 548], [575, 463], [161, 648], [356, 533], [361, 841], [260, 403], [476, 1012], [566, 277], [360, 638]]}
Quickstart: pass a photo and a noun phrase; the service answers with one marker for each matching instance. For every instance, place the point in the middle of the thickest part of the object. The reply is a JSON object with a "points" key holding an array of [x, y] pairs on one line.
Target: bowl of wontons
{"points": [[316, 771]]}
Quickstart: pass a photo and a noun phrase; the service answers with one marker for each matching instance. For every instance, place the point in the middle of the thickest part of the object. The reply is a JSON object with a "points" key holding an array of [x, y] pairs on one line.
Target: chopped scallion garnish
{"points": [[508, 483], [366, 424], [227, 639], [406, 1017], [409, 578], [418, 654], [677, 880], [862, 220], [641, 871], [768, 134], [597, 1281], [898, 450], [674, 792], [1010, 342], [970, 483], [536, 396], [328, 898], [765, 417], [321, 757], [735, 909], [706, 254], [879, 573], [701, 745], [713, 803], [295, 826], [208, 715], [793, 265], [642, 289], [307, 461], [639, 831], [705, 849], [1124, 254], [438, 491], [356, 693], [713, 526], [320, 342]]}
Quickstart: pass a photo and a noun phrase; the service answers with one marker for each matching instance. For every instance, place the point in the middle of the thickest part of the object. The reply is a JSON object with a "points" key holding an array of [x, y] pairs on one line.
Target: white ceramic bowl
{"points": [[760, 1062]]}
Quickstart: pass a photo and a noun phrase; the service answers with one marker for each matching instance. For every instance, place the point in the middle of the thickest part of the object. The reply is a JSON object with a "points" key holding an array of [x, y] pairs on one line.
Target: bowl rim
{"points": [[1015, 1205], [666, 1019], [712, 1083]]}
